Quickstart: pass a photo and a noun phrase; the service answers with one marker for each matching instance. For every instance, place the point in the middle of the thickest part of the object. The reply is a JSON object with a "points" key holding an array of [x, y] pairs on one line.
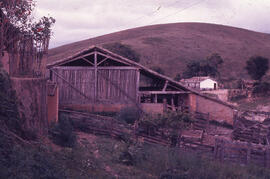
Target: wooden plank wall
{"points": [[113, 85], [81, 78], [117, 85]]}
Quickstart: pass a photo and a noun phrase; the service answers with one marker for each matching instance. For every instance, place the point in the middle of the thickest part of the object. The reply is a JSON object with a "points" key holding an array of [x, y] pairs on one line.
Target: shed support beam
{"points": [[102, 61], [96, 72], [87, 61], [165, 86]]}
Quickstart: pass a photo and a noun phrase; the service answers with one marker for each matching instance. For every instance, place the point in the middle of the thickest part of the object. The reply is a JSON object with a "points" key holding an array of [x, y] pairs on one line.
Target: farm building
{"points": [[96, 79], [201, 83]]}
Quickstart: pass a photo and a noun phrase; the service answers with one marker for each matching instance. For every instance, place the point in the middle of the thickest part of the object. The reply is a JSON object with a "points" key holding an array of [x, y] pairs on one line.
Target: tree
{"points": [[257, 67], [207, 67], [17, 24], [21, 36], [178, 77], [123, 50]]}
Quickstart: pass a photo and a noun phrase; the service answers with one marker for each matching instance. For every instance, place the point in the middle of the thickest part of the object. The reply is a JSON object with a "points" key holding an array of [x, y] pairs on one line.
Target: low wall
{"points": [[32, 97], [153, 107], [222, 94], [217, 111], [95, 107]]}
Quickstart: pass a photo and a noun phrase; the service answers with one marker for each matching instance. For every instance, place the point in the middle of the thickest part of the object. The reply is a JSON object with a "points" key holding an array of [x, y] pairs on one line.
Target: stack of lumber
{"points": [[251, 131], [242, 152]]}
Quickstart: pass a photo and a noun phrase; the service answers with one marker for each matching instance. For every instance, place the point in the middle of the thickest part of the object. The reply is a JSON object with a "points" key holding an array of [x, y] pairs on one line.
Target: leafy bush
{"points": [[257, 67], [170, 119], [261, 88], [62, 132], [9, 115], [129, 115]]}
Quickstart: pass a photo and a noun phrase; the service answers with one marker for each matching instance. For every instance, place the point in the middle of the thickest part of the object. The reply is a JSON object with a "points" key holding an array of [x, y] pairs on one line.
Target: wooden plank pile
{"points": [[251, 131], [201, 121], [242, 152]]}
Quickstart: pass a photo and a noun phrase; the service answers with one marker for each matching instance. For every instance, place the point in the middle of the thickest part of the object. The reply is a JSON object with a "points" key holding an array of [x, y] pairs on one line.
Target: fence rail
{"points": [[223, 150]]}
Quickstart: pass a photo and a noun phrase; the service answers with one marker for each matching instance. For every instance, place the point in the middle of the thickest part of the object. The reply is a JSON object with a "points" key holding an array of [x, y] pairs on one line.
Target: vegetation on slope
{"points": [[172, 46]]}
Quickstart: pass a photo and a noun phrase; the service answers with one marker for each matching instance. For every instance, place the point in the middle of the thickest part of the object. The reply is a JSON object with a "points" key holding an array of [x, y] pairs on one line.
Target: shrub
{"points": [[62, 132], [123, 50], [261, 88], [129, 115]]}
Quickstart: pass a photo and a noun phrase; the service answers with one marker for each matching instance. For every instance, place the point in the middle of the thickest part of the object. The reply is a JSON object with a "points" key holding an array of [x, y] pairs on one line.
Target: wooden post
{"points": [[222, 150], [165, 85], [267, 157], [216, 148], [138, 86], [96, 72], [208, 122], [155, 100], [172, 103], [248, 153], [164, 104]]}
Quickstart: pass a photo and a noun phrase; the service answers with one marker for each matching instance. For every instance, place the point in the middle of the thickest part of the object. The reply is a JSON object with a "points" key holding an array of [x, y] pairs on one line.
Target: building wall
{"points": [[217, 111], [208, 84], [95, 107], [78, 85], [222, 94], [74, 81], [153, 108], [5, 62], [53, 106], [32, 97]]}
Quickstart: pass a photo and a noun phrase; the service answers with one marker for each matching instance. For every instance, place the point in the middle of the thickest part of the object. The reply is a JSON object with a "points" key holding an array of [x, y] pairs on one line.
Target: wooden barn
{"points": [[96, 79]]}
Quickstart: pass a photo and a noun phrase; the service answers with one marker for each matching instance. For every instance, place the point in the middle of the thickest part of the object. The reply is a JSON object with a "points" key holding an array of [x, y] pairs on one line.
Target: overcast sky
{"points": [[82, 19]]}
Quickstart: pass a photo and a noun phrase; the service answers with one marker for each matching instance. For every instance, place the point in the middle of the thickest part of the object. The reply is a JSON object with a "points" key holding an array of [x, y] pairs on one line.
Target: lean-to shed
{"points": [[99, 80]]}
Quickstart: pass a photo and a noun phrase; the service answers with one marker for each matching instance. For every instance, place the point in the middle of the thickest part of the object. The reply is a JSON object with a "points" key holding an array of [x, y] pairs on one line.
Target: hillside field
{"points": [[172, 46]]}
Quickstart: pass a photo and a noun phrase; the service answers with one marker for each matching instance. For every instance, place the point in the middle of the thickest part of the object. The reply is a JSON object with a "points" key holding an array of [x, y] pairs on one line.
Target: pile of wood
{"points": [[251, 131], [201, 121]]}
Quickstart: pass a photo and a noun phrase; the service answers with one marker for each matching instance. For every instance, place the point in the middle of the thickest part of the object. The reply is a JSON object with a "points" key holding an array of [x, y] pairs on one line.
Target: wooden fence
{"points": [[100, 125], [223, 150], [242, 153]]}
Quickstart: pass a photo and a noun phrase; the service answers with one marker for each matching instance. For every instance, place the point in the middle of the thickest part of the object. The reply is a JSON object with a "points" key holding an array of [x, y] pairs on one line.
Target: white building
{"points": [[201, 83]]}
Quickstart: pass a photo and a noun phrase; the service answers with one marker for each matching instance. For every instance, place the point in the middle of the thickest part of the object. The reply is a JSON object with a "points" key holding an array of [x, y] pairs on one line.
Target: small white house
{"points": [[208, 84], [201, 83]]}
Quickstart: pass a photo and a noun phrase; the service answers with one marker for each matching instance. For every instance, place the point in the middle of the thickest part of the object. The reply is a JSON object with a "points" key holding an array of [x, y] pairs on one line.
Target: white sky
{"points": [[82, 19]]}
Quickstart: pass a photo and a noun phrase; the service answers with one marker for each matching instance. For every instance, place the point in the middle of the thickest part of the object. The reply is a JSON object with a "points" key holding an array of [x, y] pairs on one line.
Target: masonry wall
{"points": [[53, 106], [153, 108], [217, 111], [32, 97], [5, 62]]}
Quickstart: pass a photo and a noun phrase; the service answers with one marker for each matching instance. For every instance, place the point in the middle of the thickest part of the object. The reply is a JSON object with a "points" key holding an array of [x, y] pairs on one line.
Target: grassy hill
{"points": [[171, 46]]}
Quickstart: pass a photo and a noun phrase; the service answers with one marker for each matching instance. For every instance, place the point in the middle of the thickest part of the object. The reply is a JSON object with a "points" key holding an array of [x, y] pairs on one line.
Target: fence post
{"points": [[208, 122], [248, 153], [222, 150], [267, 157]]}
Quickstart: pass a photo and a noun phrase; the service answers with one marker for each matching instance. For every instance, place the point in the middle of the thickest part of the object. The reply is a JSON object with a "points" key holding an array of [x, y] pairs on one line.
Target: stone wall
{"points": [[32, 97]]}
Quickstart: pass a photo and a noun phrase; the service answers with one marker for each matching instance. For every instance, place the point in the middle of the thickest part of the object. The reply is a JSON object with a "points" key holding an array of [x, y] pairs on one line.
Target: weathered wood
{"points": [[102, 61], [96, 71], [165, 85], [88, 61], [74, 59], [115, 59], [164, 92], [70, 91]]}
